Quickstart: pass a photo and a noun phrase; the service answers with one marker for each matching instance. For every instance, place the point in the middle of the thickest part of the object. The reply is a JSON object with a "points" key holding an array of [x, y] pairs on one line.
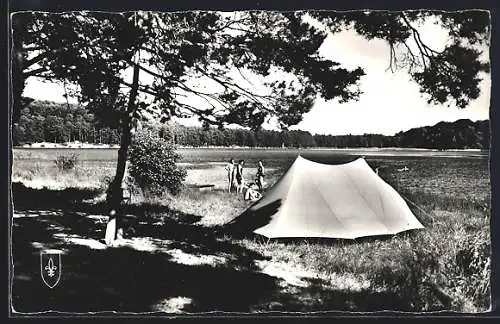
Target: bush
{"points": [[66, 162], [153, 164]]}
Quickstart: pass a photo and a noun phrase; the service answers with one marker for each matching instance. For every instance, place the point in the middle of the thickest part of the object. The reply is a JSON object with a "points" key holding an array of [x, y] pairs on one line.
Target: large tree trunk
{"points": [[17, 86], [115, 191], [18, 79]]}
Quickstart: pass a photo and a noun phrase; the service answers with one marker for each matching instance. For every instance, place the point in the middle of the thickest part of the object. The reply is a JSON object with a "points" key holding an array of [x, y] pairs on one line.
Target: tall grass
{"points": [[46, 174]]}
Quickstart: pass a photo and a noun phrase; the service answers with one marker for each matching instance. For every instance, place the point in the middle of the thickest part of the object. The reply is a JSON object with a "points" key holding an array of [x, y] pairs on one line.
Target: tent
{"points": [[344, 201]]}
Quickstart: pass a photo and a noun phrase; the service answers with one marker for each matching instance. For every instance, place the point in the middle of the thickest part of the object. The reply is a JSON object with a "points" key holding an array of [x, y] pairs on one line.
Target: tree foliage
{"points": [[445, 75], [93, 49]]}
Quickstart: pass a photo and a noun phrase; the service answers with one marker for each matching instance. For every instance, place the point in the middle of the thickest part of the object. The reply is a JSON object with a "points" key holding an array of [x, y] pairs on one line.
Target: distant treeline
{"points": [[196, 136], [44, 121], [461, 134]]}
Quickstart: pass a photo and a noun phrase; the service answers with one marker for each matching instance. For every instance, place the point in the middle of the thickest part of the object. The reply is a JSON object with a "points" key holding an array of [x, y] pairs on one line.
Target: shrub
{"points": [[153, 164], [66, 162]]}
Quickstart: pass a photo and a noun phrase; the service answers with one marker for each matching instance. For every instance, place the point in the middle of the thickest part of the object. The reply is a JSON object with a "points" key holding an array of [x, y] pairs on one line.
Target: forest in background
{"points": [[44, 121]]}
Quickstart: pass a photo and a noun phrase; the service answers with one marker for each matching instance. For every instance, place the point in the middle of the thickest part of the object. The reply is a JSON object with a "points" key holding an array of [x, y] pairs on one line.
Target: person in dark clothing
{"points": [[239, 176]]}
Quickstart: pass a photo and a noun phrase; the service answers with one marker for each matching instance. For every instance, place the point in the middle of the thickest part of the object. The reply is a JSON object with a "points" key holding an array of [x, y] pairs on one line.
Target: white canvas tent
{"points": [[344, 201]]}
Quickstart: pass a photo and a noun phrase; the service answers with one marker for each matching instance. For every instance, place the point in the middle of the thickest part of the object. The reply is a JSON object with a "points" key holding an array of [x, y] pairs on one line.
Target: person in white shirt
{"points": [[260, 175], [230, 168], [251, 192]]}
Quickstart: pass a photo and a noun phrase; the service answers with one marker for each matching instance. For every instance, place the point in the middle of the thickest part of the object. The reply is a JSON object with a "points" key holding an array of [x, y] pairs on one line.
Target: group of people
{"points": [[236, 181]]}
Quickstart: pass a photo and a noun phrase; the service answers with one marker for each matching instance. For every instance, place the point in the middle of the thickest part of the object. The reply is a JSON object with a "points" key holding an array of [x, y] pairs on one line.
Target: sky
{"points": [[389, 103]]}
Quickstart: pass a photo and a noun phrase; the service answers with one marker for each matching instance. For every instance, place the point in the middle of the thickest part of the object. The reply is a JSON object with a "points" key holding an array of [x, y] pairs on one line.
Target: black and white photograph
{"points": [[250, 162]]}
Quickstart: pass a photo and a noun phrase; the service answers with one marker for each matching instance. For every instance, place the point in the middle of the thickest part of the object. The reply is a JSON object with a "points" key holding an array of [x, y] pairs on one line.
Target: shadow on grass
{"points": [[317, 297], [147, 275], [243, 225], [123, 278]]}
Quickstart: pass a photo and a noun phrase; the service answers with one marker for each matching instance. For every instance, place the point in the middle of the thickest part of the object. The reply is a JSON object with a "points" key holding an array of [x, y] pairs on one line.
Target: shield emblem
{"points": [[51, 267]]}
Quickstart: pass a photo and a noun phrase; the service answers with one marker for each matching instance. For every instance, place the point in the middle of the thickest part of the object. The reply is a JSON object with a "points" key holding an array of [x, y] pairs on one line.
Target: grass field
{"points": [[442, 267]]}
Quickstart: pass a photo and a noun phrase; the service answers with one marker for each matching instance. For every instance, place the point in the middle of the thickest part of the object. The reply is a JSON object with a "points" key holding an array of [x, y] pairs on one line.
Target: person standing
{"points": [[260, 175], [239, 176], [230, 168]]}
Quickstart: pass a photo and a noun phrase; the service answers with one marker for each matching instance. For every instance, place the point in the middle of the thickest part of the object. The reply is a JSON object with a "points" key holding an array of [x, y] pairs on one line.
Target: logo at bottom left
{"points": [[51, 267]]}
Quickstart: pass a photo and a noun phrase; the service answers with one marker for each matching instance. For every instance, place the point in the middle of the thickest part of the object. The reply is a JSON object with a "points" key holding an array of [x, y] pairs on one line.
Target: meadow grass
{"points": [[445, 266], [45, 174]]}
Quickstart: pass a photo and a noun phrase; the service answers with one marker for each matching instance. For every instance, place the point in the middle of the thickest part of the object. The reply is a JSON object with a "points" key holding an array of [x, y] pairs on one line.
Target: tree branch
{"points": [[391, 58], [35, 59], [413, 58], [229, 85], [34, 72], [34, 48], [243, 76], [181, 85], [228, 24], [416, 36], [200, 113]]}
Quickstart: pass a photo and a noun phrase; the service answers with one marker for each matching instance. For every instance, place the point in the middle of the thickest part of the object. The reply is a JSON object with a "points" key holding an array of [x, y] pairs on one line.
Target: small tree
{"points": [[153, 164]]}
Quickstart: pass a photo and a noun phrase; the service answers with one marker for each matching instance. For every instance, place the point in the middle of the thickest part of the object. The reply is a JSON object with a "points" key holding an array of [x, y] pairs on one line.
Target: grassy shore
{"points": [[442, 267]]}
